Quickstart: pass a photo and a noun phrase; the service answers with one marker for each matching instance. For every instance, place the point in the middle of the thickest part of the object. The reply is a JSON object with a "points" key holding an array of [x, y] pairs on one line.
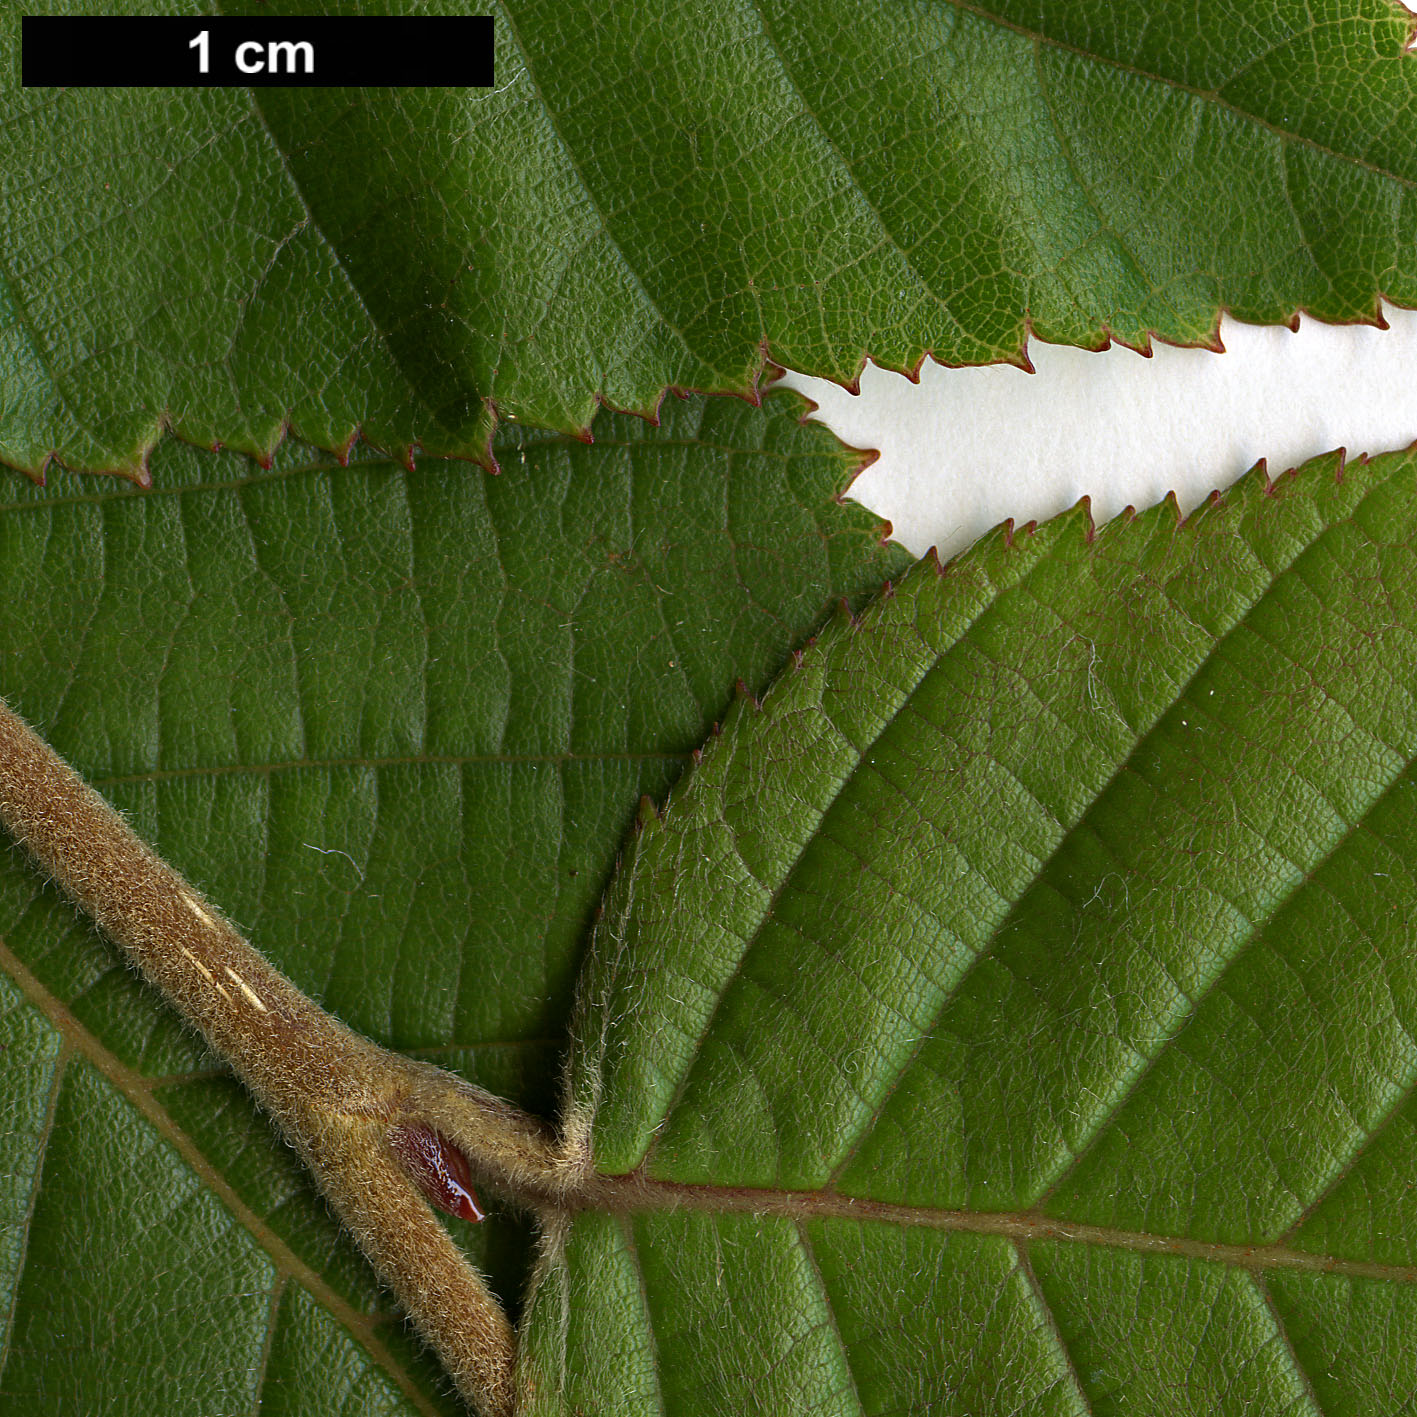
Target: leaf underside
{"points": [[632, 208], [397, 725], [1020, 1005]]}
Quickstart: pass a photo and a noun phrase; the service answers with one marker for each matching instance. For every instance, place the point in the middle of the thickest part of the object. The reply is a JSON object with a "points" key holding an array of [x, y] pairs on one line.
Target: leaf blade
{"points": [[622, 216], [1092, 945], [398, 724]]}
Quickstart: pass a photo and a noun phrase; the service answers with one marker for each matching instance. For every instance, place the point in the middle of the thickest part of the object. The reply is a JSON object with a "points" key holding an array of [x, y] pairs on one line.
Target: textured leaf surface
{"points": [[656, 194], [1019, 1007], [397, 725]]}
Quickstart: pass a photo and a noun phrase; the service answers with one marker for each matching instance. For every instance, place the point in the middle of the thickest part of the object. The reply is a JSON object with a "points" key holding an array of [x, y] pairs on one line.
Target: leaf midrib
{"points": [[634, 1193]]}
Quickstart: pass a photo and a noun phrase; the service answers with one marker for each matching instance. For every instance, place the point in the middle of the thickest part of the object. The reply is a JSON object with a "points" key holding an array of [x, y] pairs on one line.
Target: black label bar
{"points": [[330, 51]]}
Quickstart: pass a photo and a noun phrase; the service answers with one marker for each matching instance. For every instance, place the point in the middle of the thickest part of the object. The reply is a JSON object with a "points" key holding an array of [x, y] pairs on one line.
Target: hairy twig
{"points": [[382, 1133]]}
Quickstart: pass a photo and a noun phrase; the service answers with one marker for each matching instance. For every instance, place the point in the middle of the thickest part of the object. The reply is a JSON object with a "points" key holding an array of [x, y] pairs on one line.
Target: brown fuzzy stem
{"points": [[336, 1096]]}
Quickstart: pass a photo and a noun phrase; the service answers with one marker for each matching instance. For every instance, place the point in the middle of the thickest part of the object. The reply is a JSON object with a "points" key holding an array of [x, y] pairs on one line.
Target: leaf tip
{"points": [[1089, 531], [1013, 534], [845, 613]]}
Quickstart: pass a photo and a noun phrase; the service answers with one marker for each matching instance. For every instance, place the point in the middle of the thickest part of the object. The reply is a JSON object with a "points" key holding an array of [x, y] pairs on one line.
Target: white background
{"points": [[967, 448]]}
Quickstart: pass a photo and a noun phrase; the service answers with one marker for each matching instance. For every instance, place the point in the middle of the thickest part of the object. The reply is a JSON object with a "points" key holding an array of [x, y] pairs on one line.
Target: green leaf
{"points": [[659, 196], [1017, 1011], [398, 725]]}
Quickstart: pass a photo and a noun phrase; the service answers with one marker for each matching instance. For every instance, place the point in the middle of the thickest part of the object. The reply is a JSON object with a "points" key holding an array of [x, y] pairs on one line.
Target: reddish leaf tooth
{"points": [[438, 1169]]}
